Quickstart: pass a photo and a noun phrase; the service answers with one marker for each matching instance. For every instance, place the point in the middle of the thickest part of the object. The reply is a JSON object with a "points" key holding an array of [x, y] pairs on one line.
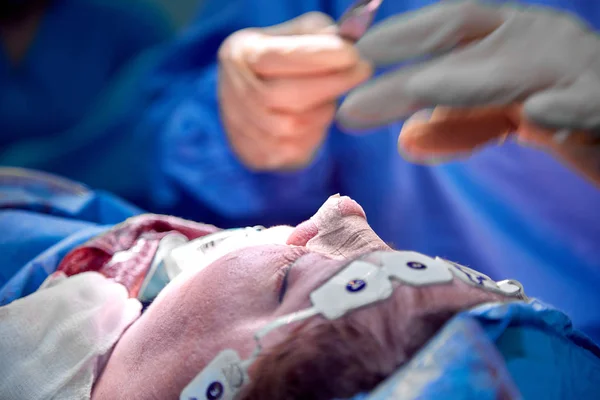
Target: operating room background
{"points": [[180, 11]]}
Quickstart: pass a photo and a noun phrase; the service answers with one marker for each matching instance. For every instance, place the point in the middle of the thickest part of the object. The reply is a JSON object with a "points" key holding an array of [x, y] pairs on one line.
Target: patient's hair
{"points": [[342, 358]]}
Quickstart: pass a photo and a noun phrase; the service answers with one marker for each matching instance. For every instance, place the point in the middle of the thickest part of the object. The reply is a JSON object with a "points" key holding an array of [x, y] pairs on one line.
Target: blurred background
{"points": [[180, 12], [86, 70]]}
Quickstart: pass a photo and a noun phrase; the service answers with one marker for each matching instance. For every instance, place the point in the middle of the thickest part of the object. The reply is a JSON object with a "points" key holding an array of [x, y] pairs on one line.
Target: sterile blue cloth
{"points": [[509, 211], [78, 48], [42, 218], [71, 87], [515, 350], [507, 351]]}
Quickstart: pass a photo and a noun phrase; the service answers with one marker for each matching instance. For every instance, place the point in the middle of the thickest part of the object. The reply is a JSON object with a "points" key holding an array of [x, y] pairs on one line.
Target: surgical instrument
{"points": [[357, 19]]}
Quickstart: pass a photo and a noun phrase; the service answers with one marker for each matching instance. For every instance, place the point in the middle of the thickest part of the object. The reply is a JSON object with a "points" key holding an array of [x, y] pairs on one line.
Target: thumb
{"points": [[306, 24], [577, 149], [450, 132]]}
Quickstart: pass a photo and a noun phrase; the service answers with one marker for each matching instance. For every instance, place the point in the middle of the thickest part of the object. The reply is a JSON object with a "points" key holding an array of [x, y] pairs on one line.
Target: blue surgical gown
{"points": [[508, 211], [79, 49]]}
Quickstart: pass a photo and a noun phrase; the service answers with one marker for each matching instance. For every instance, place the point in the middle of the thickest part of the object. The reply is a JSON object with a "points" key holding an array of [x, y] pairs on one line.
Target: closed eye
{"points": [[284, 283], [297, 253]]}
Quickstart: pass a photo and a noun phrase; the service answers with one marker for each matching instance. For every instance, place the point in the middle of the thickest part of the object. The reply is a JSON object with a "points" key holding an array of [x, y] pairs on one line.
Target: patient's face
{"points": [[224, 304], [221, 306]]}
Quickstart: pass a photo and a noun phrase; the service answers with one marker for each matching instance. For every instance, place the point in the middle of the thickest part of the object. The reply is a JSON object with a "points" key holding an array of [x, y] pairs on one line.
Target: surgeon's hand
{"points": [[450, 133], [495, 70], [278, 88]]}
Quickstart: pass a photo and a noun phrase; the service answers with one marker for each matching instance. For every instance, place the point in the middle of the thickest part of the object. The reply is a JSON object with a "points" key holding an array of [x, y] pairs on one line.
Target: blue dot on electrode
{"points": [[214, 391], [416, 265], [356, 285]]}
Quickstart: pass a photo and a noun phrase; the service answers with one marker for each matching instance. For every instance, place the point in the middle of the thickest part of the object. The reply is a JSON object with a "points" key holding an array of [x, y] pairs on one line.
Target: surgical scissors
{"points": [[357, 19]]}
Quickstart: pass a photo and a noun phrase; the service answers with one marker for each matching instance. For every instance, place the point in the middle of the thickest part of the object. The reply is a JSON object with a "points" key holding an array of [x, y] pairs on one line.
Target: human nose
{"points": [[338, 229]]}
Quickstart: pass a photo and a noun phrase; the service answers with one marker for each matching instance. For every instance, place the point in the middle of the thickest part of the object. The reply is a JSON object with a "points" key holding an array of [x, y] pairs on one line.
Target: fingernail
{"points": [[421, 115], [335, 196], [331, 29], [561, 136], [407, 156]]}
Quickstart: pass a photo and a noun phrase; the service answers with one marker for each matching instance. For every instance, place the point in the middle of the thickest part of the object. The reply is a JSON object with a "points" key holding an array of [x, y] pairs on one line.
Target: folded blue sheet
{"points": [[500, 351], [495, 351]]}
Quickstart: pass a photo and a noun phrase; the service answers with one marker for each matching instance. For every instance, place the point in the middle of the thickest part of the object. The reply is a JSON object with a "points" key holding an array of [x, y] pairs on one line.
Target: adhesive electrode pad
{"points": [[220, 380], [415, 269], [359, 284], [475, 278]]}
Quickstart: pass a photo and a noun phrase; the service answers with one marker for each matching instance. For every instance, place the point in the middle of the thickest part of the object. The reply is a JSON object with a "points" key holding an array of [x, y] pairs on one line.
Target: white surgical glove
{"points": [[53, 342], [482, 55], [278, 88]]}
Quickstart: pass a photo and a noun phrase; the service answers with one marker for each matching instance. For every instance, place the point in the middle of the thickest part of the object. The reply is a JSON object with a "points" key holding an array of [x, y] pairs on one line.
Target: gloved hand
{"points": [[447, 133], [278, 87], [536, 70]]}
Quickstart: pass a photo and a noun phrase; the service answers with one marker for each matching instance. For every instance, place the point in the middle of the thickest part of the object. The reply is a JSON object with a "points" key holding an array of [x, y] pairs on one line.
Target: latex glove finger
{"points": [[304, 93], [281, 125], [285, 56], [428, 31], [376, 103], [256, 133], [274, 152], [303, 46], [575, 106], [459, 79], [496, 70], [279, 139], [579, 150], [301, 124], [293, 94], [312, 22], [237, 90], [278, 123], [259, 122], [499, 69], [451, 133], [271, 80], [448, 133]]}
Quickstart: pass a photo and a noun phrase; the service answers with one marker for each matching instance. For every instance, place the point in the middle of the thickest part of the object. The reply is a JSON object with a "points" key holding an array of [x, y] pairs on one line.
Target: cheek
{"points": [[239, 289], [195, 318], [221, 298]]}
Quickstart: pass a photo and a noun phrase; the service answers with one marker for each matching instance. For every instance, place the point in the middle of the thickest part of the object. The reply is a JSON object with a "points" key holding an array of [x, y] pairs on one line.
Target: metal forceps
{"points": [[355, 21]]}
